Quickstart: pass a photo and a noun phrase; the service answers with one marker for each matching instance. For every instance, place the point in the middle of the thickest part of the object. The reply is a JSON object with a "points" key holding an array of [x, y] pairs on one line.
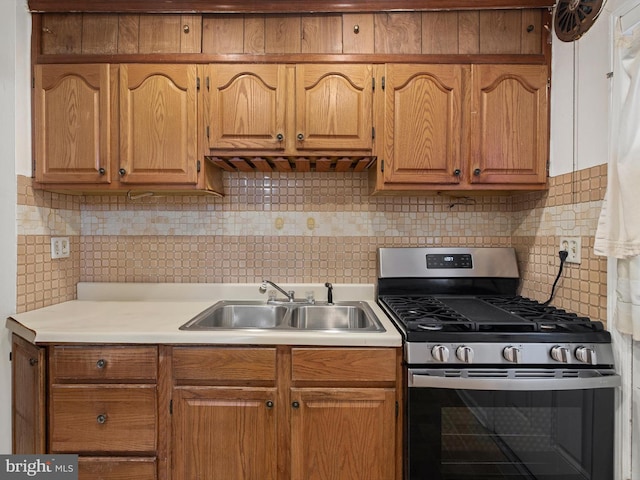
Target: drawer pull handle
{"points": [[269, 404], [101, 363], [102, 418]]}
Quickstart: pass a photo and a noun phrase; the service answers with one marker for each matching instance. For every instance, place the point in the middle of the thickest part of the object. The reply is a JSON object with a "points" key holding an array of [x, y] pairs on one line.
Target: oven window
{"points": [[545, 435]]}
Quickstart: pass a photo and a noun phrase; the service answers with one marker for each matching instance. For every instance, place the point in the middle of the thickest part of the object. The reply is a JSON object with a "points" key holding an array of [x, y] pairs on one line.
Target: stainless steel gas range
{"points": [[498, 386]]}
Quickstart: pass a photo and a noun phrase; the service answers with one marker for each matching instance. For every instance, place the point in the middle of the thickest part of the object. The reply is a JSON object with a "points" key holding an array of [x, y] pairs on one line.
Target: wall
{"points": [[15, 31], [261, 229]]}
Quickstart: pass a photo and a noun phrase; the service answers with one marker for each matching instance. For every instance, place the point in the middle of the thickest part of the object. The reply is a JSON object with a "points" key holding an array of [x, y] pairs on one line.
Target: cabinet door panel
{"points": [[72, 113], [509, 124], [334, 107], [158, 124], [224, 433], [343, 434], [423, 124], [28, 397], [248, 106]]}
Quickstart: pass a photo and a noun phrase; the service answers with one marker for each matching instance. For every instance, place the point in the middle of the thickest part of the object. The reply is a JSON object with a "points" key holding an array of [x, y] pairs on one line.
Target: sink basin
{"points": [[356, 316], [344, 316], [237, 315]]}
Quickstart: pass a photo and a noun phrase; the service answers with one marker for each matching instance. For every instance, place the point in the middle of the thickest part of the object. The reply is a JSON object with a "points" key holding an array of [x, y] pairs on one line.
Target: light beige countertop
{"points": [[153, 313]]}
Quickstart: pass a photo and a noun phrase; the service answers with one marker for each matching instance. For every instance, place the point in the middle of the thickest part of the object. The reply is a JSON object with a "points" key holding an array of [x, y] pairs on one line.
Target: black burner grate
{"points": [[504, 314]]}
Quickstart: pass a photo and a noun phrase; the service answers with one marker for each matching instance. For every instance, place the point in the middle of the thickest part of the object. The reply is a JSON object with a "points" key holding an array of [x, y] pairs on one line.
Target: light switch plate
{"points": [[60, 247]]}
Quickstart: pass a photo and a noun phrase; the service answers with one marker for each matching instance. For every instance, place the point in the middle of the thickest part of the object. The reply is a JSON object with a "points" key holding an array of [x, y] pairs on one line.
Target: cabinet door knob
{"points": [[280, 137], [185, 28], [101, 363], [457, 172], [102, 171], [102, 418], [295, 405], [269, 404], [33, 361], [122, 172], [300, 137], [476, 172]]}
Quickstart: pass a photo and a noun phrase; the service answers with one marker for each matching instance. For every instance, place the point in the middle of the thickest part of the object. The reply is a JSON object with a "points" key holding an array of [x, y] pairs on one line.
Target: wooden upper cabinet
{"points": [[158, 124], [509, 124], [289, 109], [334, 107], [247, 106], [423, 124], [72, 115]]}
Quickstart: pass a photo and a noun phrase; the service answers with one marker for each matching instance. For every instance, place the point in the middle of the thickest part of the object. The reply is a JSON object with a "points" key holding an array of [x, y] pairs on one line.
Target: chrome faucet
{"points": [[290, 294]]}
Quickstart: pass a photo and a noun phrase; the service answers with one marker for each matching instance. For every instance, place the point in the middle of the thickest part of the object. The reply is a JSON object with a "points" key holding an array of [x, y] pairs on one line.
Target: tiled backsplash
{"points": [[301, 227]]}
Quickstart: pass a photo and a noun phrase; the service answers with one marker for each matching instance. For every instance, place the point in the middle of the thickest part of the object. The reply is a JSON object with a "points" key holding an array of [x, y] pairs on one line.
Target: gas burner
{"points": [[483, 313]]}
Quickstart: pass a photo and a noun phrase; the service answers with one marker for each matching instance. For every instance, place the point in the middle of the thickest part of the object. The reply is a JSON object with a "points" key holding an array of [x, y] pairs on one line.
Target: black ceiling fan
{"points": [[572, 18]]}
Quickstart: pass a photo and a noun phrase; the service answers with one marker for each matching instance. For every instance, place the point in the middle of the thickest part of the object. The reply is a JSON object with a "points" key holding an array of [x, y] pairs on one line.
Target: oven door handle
{"points": [[589, 380]]}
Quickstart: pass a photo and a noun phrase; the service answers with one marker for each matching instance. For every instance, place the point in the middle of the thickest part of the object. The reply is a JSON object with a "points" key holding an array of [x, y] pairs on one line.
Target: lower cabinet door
{"points": [[117, 468], [224, 433], [343, 433]]}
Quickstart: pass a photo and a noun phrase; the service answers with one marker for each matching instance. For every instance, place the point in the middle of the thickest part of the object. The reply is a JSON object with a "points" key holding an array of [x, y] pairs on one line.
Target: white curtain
{"points": [[618, 233]]}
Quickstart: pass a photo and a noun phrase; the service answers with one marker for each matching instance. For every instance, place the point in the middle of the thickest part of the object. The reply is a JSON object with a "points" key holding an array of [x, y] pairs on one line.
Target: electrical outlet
{"points": [[60, 247], [572, 246]]}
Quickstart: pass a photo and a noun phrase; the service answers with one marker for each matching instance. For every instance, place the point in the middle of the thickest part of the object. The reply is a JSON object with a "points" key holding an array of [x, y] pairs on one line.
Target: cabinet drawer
{"points": [[344, 364], [103, 418], [117, 468], [104, 364], [198, 364]]}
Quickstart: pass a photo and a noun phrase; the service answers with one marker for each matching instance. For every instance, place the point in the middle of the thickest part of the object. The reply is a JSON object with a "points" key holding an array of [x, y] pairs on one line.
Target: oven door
{"points": [[511, 424]]}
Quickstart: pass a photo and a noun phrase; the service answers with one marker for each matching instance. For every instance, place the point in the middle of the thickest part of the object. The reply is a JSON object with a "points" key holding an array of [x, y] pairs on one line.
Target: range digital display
{"points": [[438, 260]]}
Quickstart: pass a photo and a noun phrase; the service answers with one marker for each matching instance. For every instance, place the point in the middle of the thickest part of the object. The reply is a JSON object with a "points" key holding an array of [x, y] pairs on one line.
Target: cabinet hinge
{"points": [[198, 84], [198, 166], [373, 83], [373, 133], [207, 84], [33, 82], [171, 407], [207, 131], [10, 357], [383, 83], [397, 409], [382, 165]]}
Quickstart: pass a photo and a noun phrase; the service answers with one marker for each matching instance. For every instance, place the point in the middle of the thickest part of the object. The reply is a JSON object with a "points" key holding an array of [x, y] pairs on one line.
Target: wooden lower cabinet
{"points": [[211, 412], [117, 468], [343, 433], [28, 397], [222, 433], [305, 413]]}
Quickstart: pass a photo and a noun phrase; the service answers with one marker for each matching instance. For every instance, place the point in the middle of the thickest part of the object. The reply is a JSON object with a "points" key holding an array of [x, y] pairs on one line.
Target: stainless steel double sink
{"points": [[342, 316]]}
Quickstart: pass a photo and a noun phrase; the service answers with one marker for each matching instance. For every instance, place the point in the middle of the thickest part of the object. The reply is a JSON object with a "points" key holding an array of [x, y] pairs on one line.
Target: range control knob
{"points": [[465, 354], [560, 354], [440, 353], [512, 354], [586, 355]]}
